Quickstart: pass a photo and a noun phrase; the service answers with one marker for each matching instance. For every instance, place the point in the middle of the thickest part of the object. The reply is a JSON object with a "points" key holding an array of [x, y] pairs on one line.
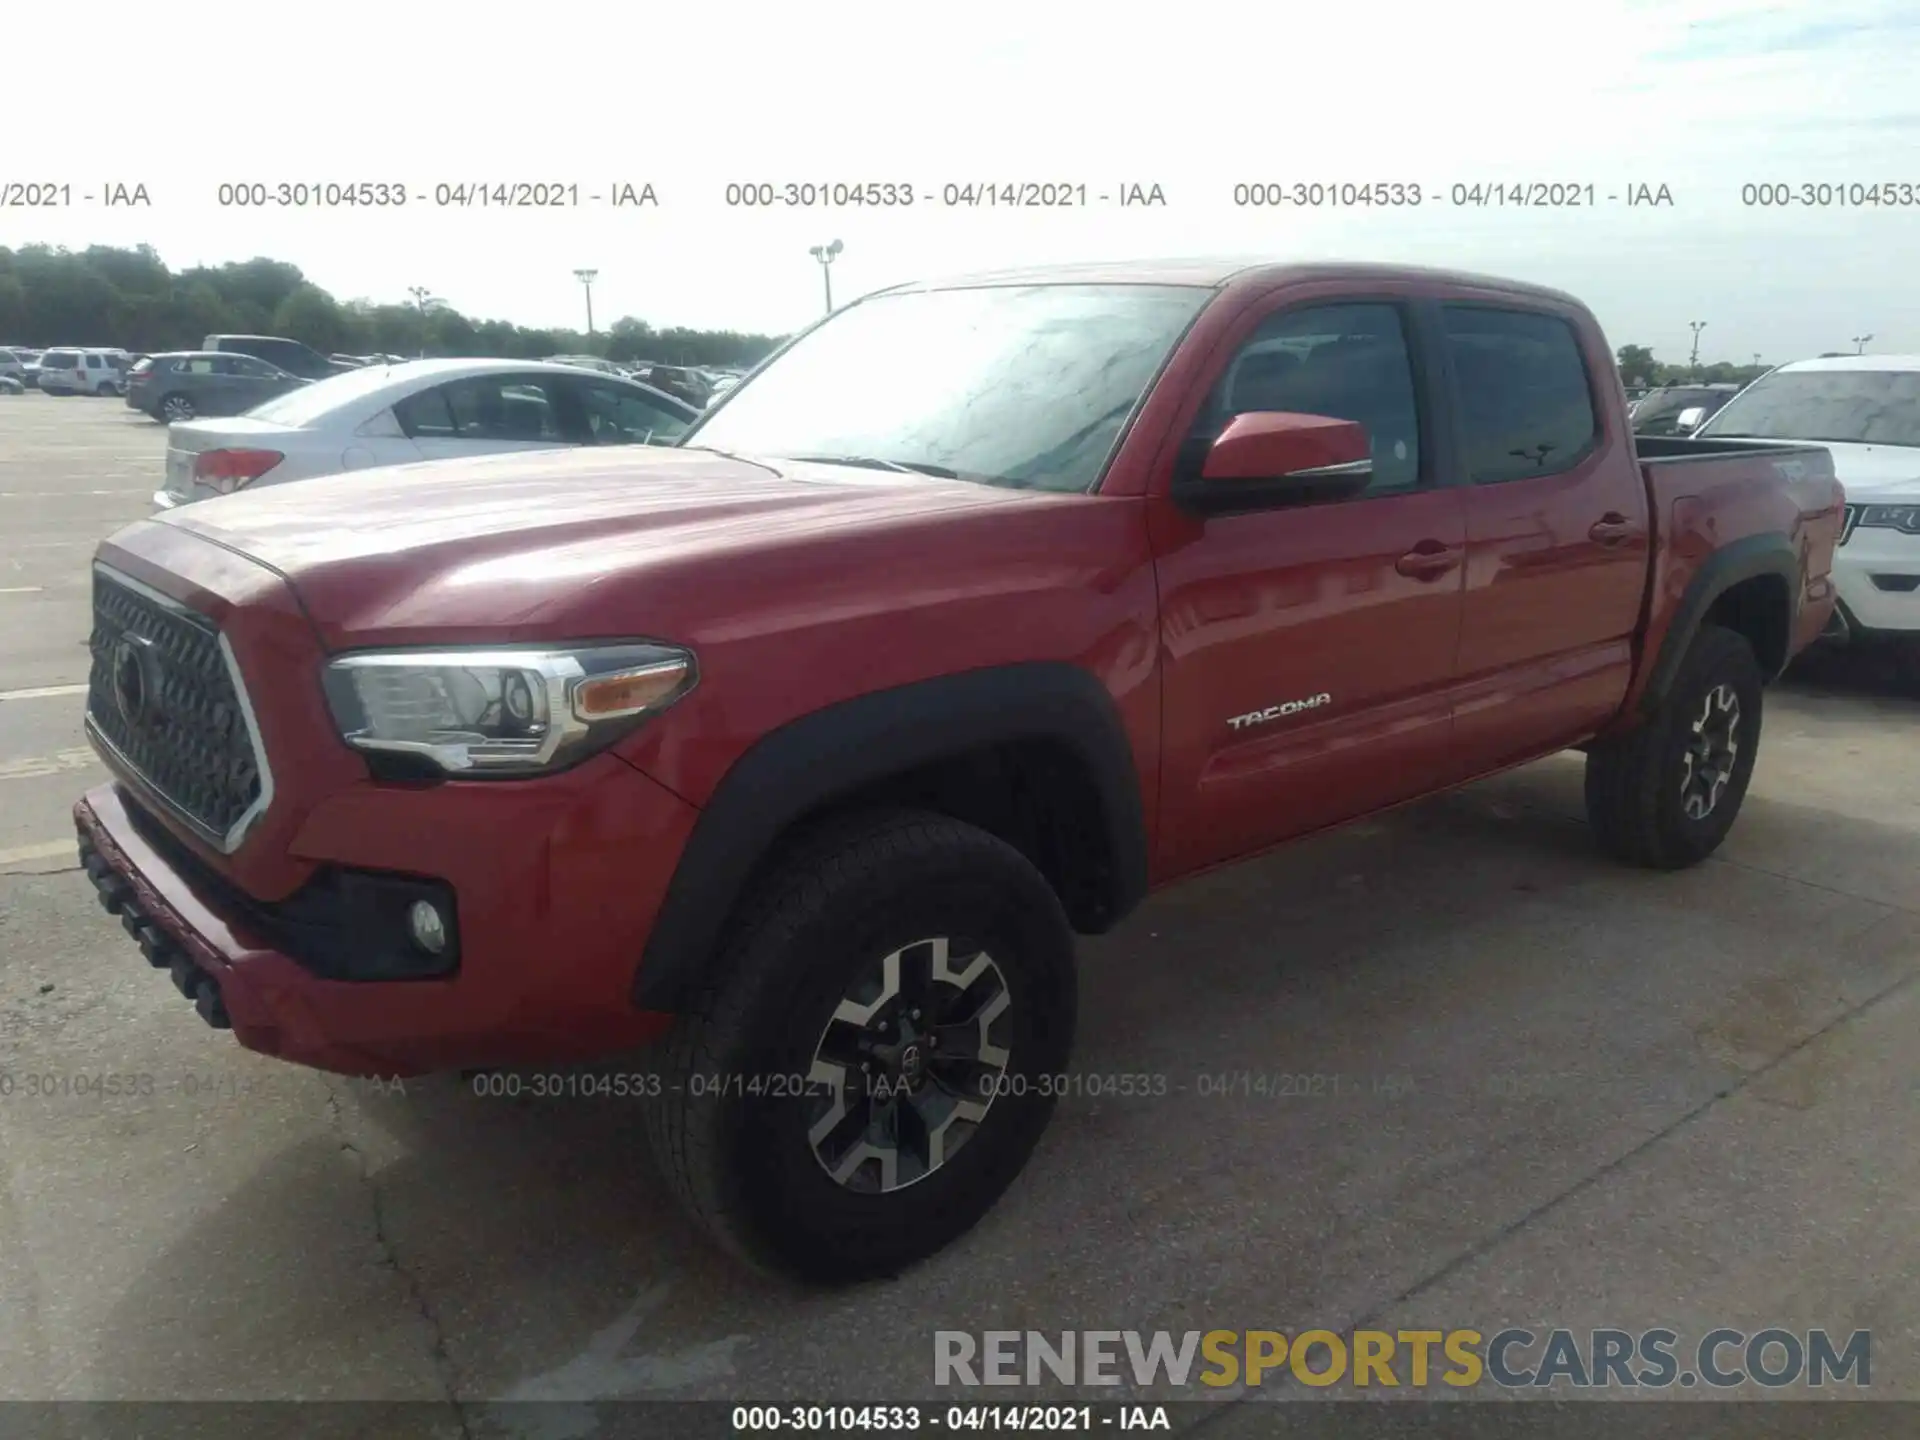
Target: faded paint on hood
{"points": [[529, 542]]}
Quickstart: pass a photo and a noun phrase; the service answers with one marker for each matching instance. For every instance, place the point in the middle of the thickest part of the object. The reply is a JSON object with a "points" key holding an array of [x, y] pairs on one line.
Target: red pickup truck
{"points": [[979, 611]]}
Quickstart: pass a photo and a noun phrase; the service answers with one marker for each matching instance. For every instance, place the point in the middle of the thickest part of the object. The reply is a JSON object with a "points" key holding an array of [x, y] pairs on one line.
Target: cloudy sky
{"points": [[1702, 96]]}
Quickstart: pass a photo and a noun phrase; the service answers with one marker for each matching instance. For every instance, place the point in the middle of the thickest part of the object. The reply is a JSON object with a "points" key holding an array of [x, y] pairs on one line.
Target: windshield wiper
{"points": [[868, 462]]}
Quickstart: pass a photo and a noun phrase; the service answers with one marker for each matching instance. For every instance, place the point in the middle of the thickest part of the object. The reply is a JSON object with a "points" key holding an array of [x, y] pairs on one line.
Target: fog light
{"points": [[429, 930]]}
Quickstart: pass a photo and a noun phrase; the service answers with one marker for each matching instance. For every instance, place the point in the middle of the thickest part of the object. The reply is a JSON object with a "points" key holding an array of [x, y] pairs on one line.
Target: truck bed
{"points": [[1666, 449], [1779, 498]]}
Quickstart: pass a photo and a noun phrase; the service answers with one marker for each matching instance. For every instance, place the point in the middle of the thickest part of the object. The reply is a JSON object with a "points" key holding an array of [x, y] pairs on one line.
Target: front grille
{"points": [[161, 694]]}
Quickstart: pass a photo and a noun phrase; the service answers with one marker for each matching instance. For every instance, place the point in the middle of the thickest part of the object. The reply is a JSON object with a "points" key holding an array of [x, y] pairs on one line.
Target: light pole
{"points": [[586, 279], [1860, 344], [425, 301], [826, 254], [1693, 360], [1756, 359]]}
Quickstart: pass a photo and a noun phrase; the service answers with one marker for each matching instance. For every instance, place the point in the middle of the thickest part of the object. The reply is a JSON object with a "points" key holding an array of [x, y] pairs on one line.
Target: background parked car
{"points": [[90, 371], [1679, 409], [187, 383], [10, 385], [1865, 409], [289, 355], [29, 367], [677, 380], [423, 410]]}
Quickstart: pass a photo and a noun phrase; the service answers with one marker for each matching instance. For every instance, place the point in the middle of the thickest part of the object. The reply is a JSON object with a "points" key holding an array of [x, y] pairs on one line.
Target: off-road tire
{"points": [[1635, 781], [742, 1164]]}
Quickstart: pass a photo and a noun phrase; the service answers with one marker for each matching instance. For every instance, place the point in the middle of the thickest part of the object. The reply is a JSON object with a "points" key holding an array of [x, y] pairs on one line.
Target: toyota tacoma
{"points": [[799, 753]]}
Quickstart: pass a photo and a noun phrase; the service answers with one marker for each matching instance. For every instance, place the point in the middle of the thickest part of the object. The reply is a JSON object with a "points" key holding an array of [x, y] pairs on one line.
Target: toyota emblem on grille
{"points": [[134, 687]]}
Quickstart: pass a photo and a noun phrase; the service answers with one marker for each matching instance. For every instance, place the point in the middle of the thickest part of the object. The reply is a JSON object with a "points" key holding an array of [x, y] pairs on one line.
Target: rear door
{"points": [[484, 415], [1307, 650], [1557, 531]]}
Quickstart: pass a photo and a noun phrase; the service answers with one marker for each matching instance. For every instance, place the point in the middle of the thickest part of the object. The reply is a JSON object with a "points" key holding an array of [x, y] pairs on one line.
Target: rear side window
{"points": [[60, 360], [425, 416], [1526, 408], [495, 408], [94, 362]]}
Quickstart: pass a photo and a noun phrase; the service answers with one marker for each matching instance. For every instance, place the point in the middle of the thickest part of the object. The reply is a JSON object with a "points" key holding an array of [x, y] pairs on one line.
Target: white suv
{"points": [[84, 372], [1866, 410]]}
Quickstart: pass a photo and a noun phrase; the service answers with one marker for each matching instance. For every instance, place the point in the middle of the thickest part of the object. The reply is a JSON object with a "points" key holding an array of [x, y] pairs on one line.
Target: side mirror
{"points": [[1690, 419], [1265, 459]]}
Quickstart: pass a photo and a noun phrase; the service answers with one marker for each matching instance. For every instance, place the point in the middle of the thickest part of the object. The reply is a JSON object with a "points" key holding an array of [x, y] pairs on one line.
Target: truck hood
{"points": [[1867, 471], [507, 546]]}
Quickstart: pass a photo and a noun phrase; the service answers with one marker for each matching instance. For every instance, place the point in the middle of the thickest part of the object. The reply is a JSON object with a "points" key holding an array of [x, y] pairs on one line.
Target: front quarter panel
{"points": [[792, 628]]}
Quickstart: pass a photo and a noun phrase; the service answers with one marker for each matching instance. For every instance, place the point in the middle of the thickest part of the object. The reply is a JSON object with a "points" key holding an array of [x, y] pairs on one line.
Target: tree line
{"points": [[1638, 367], [128, 298], [106, 295]]}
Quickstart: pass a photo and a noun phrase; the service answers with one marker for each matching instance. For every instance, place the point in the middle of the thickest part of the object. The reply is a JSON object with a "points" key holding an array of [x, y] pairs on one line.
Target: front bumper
{"points": [[1877, 573], [556, 885]]}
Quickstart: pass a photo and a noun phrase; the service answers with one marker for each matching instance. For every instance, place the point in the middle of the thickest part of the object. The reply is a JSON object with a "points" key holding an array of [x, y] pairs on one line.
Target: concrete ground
{"points": [[1567, 1094]]}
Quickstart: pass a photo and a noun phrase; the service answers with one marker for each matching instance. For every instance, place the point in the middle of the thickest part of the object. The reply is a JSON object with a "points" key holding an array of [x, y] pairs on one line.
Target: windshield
{"points": [[310, 402], [1024, 386], [1863, 407]]}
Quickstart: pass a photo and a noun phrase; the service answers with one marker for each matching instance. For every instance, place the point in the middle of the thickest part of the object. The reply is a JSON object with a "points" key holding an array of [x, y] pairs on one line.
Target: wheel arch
{"points": [[1751, 587], [1037, 753]]}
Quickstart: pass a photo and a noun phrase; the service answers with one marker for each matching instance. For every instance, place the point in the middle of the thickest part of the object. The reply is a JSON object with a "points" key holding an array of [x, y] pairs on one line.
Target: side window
{"points": [[504, 407], [1350, 362], [94, 362], [253, 369], [198, 365], [228, 365], [425, 416], [1526, 408], [617, 416]]}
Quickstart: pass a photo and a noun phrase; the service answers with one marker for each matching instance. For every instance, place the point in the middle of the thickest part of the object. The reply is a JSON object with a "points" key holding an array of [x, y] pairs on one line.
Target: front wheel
{"points": [[1665, 795], [875, 1053]]}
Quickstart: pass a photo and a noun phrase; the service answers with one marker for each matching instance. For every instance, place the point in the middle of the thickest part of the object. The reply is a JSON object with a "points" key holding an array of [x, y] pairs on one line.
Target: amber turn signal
{"points": [[627, 692]]}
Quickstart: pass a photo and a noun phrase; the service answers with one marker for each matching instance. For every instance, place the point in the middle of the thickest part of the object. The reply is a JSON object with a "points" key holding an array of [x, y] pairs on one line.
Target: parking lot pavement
{"points": [[1507, 1081]]}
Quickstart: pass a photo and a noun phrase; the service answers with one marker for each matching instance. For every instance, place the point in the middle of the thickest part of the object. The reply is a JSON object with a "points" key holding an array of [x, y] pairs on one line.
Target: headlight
{"points": [[1890, 517], [502, 711]]}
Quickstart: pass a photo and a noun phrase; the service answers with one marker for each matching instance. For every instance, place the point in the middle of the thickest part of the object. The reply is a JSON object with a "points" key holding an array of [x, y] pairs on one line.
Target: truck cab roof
{"points": [[1218, 274]]}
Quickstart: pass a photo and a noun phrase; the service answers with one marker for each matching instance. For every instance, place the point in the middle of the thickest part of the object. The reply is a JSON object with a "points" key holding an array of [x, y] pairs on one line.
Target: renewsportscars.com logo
{"points": [[1512, 1359]]}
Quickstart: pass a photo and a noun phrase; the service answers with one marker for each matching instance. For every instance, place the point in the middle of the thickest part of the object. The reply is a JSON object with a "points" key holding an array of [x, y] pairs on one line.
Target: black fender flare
{"points": [[838, 750], [1770, 553]]}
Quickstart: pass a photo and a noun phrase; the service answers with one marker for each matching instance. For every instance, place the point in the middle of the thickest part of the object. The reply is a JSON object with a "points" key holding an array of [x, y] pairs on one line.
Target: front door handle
{"points": [[1428, 560], [1612, 528]]}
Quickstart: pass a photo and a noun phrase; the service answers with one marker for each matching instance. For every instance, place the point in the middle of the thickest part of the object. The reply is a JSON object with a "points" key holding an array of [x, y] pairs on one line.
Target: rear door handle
{"points": [[1611, 529], [1428, 560]]}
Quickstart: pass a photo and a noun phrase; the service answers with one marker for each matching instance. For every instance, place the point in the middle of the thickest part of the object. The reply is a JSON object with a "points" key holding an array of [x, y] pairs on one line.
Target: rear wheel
{"points": [[1666, 794], [868, 1066], [176, 407]]}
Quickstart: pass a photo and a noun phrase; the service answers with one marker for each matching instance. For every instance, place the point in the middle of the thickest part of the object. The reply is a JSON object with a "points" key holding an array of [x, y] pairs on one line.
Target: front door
{"points": [[1307, 651]]}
